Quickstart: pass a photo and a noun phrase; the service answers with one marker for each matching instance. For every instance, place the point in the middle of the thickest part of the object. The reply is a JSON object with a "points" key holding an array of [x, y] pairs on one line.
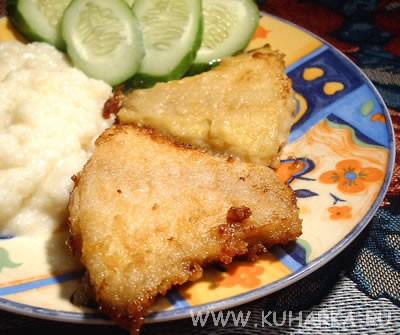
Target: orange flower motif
{"points": [[350, 176], [378, 118], [260, 33], [243, 275], [340, 212], [288, 169]]}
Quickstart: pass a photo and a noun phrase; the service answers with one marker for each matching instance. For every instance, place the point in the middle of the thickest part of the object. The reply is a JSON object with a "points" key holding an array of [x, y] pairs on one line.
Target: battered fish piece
{"points": [[244, 107], [146, 214]]}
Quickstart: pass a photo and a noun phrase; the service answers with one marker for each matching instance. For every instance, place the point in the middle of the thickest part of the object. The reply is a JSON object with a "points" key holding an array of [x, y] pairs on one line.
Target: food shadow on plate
{"points": [[300, 296], [68, 273]]}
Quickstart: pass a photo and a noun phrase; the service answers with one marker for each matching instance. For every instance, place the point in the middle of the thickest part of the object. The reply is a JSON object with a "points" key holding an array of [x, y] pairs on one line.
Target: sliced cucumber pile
{"points": [[39, 20], [172, 34], [103, 39], [143, 41], [228, 27]]}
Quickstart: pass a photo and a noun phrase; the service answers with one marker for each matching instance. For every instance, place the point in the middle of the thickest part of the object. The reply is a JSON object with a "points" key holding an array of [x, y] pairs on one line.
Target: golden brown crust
{"points": [[238, 214], [253, 124], [113, 104], [155, 135], [243, 206]]}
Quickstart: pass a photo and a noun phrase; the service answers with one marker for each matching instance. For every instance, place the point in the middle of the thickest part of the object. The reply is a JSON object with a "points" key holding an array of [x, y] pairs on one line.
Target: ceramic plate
{"points": [[344, 149]]}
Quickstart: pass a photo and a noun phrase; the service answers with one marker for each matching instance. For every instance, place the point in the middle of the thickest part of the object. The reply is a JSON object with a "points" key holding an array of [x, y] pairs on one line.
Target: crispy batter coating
{"points": [[146, 214], [244, 107]]}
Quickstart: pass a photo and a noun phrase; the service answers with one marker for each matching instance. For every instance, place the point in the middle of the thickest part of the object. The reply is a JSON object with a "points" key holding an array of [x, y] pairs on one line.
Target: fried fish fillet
{"points": [[146, 214], [244, 107]]}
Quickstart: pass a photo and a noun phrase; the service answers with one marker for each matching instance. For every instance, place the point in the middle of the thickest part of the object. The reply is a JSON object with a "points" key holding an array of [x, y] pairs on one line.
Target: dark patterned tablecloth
{"points": [[359, 291]]}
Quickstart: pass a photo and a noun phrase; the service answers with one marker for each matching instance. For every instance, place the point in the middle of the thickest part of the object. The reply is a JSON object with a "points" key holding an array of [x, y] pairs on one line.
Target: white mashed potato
{"points": [[50, 115]]}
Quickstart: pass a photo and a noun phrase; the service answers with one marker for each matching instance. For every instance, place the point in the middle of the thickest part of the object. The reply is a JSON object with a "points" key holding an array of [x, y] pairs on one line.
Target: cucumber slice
{"points": [[39, 20], [172, 33], [228, 27], [130, 2], [103, 39]]}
